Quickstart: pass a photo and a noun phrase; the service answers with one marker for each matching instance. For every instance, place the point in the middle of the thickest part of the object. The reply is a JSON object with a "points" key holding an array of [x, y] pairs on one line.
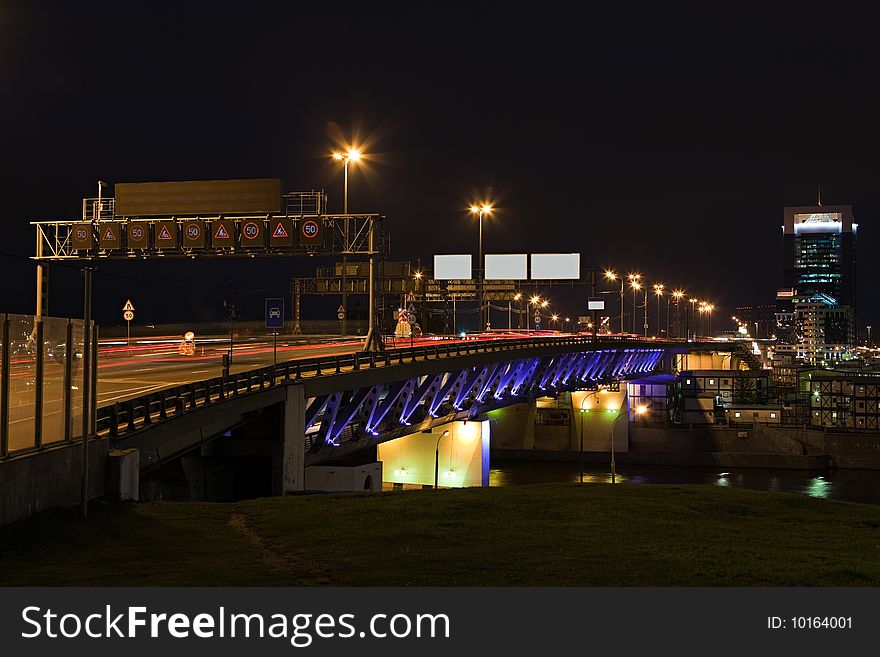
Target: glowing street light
{"points": [[351, 155], [677, 296], [480, 210], [612, 276], [636, 286], [658, 292], [516, 297]]}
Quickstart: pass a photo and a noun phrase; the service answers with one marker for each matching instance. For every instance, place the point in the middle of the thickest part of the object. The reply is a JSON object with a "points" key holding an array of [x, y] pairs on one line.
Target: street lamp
{"points": [[516, 297], [480, 210], [636, 286], [677, 295], [437, 455], [536, 302], [611, 276], [351, 155], [693, 314], [585, 410], [658, 292]]}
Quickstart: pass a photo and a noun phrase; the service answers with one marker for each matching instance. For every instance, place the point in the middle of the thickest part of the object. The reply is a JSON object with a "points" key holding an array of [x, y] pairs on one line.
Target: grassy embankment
{"points": [[556, 535]]}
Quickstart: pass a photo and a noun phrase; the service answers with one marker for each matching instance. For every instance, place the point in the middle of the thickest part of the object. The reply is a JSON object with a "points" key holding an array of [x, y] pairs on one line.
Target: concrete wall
{"points": [[48, 479], [758, 440], [513, 427], [332, 478]]}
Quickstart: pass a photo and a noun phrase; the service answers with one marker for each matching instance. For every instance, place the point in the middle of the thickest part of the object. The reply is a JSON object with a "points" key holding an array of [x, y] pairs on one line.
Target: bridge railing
{"points": [[131, 415]]}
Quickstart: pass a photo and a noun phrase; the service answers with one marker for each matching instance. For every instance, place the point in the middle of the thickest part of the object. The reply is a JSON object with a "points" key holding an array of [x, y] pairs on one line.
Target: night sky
{"points": [[659, 137]]}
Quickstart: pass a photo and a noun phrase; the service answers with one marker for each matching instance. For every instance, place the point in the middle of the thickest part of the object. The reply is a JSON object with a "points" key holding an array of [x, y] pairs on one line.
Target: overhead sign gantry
{"points": [[208, 218]]}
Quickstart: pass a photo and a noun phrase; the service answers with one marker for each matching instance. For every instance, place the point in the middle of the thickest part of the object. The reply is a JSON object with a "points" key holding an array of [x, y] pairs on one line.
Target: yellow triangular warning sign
{"points": [[222, 233], [164, 234], [280, 231], [128, 306], [108, 234]]}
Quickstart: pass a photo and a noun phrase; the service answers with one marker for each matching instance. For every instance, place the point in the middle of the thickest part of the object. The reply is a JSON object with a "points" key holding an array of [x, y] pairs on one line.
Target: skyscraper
{"points": [[819, 245]]}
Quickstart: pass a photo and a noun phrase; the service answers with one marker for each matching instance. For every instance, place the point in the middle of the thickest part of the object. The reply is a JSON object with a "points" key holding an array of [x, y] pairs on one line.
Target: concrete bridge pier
{"points": [[294, 440]]}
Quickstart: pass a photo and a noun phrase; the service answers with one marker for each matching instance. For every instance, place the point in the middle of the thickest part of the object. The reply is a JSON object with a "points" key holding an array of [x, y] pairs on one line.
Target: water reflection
{"points": [[818, 487], [850, 485]]}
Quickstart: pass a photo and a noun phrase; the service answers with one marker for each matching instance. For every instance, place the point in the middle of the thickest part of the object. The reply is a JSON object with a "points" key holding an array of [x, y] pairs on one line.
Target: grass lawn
{"points": [[545, 535]]}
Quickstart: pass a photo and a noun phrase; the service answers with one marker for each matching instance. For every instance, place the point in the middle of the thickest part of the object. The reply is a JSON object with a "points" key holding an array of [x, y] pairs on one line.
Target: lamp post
{"points": [[584, 410], [635, 284], [693, 316], [640, 410], [516, 297], [611, 276], [480, 210], [658, 292], [437, 456], [709, 309], [677, 295], [536, 302], [351, 155]]}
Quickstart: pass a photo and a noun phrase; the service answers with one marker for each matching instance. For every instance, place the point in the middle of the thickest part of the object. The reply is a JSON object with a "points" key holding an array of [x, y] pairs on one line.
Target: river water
{"points": [[848, 485]]}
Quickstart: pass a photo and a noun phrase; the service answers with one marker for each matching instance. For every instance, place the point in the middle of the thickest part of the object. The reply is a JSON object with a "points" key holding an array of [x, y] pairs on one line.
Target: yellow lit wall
{"points": [[703, 360], [463, 460], [601, 408]]}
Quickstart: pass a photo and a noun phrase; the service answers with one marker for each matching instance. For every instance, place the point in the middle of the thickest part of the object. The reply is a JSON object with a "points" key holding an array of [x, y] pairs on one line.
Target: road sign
{"points": [[128, 305], [310, 233], [275, 313], [411, 318], [194, 234], [537, 319], [222, 232], [110, 235], [281, 232], [128, 315], [137, 235], [83, 236], [340, 313], [596, 303]]}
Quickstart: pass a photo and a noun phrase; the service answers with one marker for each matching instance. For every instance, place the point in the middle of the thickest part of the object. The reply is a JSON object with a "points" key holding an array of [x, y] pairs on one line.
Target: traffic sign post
{"points": [[128, 315], [340, 315], [274, 321], [275, 313]]}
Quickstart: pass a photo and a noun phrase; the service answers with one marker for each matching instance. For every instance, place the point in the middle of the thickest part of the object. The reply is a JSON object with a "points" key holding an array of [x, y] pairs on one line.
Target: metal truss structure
{"points": [[343, 235], [349, 420]]}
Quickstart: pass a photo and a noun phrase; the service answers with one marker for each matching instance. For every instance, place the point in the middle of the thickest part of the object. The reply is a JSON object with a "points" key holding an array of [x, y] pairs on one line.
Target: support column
{"points": [[294, 440], [86, 383], [42, 280], [373, 341]]}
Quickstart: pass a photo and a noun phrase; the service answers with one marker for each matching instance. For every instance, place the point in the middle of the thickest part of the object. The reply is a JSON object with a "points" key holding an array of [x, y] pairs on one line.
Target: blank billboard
{"points": [[507, 266], [447, 267], [556, 266]]}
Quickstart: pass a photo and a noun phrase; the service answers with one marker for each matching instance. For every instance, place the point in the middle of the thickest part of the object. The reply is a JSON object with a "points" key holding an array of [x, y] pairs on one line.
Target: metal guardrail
{"points": [[125, 417]]}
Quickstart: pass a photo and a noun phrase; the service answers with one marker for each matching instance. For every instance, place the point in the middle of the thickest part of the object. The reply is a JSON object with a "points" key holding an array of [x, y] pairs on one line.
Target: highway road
{"points": [[148, 364]]}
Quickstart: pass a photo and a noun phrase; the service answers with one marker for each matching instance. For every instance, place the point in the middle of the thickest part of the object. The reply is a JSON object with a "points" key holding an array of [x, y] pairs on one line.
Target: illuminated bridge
{"points": [[321, 409]]}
